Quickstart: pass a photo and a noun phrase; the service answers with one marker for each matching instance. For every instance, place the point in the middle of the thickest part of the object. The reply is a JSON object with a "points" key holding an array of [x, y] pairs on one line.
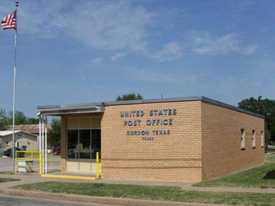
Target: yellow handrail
{"points": [[27, 155], [97, 165]]}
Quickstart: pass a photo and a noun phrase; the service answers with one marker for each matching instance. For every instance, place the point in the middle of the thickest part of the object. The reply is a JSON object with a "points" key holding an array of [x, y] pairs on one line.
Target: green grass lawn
{"points": [[153, 193], [270, 157], [261, 177]]}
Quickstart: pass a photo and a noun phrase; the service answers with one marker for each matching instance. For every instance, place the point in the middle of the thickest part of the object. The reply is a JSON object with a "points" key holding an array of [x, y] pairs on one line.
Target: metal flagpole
{"points": [[13, 92]]}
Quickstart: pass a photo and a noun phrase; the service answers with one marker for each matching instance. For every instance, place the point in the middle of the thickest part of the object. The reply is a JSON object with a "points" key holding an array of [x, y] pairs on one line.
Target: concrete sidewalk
{"points": [[34, 178], [230, 189], [189, 187]]}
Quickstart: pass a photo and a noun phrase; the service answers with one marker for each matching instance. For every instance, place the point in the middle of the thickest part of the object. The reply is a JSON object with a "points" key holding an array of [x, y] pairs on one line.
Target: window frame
{"points": [[67, 145], [242, 139], [262, 138], [81, 141], [254, 138]]}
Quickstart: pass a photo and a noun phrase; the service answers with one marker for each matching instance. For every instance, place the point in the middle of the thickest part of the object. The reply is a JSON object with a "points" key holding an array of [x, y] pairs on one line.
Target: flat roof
{"points": [[4, 133], [99, 107]]}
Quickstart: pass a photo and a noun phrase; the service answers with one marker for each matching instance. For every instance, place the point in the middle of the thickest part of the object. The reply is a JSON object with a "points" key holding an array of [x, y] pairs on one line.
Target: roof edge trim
{"points": [[99, 107]]}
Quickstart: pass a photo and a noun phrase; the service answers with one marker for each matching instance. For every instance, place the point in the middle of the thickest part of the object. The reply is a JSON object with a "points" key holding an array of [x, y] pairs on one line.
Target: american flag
{"points": [[9, 21]]}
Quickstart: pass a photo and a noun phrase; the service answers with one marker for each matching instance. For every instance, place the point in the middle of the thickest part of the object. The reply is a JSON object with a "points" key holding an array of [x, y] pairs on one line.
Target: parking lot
{"points": [[5, 164], [53, 164]]}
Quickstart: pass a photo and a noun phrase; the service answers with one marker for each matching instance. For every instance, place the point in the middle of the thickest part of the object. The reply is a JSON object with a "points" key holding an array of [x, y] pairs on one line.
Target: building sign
{"points": [[155, 123]]}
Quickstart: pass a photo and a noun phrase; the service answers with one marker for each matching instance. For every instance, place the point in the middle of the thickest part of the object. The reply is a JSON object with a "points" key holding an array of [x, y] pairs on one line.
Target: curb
{"points": [[69, 177], [97, 200]]}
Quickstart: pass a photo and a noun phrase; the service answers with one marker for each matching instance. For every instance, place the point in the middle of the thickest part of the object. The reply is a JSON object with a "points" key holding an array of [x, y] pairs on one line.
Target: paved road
{"points": [[20, 201], [5, 165]]}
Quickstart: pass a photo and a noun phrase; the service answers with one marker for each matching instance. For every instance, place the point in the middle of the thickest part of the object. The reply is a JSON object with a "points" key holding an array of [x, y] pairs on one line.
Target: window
{"points": [[262, 139], [242, 138], [72, 144], [83, 143], [96, 142], [253, 139]]}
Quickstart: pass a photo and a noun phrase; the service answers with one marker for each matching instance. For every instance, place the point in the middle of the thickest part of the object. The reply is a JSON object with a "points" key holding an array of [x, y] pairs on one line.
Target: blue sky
{"points": [[85, 51]]}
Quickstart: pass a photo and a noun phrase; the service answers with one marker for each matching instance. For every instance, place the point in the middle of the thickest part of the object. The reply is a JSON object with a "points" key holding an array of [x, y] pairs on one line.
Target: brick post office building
{"points": [[176, 139]]}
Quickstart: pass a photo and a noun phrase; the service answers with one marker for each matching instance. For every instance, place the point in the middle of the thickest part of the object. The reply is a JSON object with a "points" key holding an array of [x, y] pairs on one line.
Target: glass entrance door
{"points": [[83, 144]]}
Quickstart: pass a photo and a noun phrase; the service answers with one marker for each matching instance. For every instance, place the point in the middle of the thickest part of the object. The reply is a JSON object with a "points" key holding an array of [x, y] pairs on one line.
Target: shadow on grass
{"points": [[270, 175], [8, 180], [6, 173]]}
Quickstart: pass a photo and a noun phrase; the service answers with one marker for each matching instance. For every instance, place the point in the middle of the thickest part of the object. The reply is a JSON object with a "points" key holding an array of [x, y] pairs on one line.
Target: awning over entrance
{"points": [[56, 110], [45, 111]]}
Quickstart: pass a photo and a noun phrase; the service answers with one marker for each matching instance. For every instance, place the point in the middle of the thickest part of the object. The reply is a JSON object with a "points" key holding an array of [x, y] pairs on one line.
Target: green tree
{"points": [[31, 120], [265, 107], [20, 118], [3, 120], [130, 96], [54, 133]]}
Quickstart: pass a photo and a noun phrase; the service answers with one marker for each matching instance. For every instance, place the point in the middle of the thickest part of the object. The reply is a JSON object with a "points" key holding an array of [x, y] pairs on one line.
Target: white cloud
{"points": [[170, 51], [117, 26], [205, 44], [117, 56], [42, 18], [109, 25], [97, 60]]}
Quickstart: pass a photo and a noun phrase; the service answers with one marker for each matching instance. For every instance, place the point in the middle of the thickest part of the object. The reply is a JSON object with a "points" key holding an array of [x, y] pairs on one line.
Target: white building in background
{"points": [[23, 140]]}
